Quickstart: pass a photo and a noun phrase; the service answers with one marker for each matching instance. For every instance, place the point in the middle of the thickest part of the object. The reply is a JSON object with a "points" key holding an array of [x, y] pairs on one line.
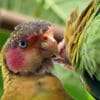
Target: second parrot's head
{"points": [[30, 44]]}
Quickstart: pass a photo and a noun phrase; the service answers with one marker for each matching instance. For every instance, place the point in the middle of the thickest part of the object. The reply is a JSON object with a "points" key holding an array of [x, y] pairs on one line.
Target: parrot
{"points": [[81, 45], [26, 63]]}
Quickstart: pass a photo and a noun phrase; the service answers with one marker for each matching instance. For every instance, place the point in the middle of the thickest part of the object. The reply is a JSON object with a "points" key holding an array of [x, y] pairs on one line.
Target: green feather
{"points": [[82, 38], [90, 48]]}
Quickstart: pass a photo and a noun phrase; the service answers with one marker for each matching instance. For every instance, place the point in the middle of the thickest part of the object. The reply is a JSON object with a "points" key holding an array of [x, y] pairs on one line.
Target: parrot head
{"points": [[29, 45]]}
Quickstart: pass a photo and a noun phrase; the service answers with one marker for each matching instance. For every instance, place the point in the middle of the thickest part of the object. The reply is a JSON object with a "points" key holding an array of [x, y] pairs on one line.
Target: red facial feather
{"points": [[33, 38], [15, 59]]}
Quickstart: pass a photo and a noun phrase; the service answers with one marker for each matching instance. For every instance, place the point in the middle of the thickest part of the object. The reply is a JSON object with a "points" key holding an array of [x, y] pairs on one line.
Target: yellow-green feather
{"points": [[79, 40], [33, 87]]}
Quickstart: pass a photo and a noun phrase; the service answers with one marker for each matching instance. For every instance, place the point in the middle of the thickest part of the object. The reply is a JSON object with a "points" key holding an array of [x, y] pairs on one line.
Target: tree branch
{"points": [[8, 20]]}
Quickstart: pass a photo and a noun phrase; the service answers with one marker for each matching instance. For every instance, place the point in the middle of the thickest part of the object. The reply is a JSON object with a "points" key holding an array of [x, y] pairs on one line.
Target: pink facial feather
{"points": [[15, 59]]}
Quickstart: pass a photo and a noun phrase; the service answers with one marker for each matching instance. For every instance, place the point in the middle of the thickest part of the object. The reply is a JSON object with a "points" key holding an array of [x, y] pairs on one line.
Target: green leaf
{"points": [[72, 83]]}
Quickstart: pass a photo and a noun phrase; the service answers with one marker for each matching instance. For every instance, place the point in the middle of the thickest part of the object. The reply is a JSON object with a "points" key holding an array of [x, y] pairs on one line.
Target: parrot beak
{"points": [[54, 46], [50, 45], [54, 49]]}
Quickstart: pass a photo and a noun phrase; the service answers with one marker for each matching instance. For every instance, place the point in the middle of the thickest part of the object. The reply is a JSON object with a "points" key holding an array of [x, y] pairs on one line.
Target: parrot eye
{"points": [[22, 44]]}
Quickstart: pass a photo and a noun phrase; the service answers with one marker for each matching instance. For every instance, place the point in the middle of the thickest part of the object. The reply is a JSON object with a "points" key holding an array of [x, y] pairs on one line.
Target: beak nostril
{"points": [[45, 38]]}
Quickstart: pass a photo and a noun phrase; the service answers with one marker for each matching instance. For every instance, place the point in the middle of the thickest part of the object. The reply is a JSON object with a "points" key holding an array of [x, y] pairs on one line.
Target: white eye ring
{"points": [[22, 44]]}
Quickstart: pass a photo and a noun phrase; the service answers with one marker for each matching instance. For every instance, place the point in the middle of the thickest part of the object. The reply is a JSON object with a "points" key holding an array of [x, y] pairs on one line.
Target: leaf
{"points": [[72, 83], [63, 8]]}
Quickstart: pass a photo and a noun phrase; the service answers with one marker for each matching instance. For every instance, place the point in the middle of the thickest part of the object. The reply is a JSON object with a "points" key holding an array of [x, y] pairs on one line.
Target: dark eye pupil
{"points": [[22, 44]]}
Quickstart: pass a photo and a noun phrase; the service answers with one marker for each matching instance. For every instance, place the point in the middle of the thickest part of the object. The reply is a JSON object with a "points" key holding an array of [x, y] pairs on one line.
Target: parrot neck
{"points": [[38, 87], [34, 86], [44, 69]]}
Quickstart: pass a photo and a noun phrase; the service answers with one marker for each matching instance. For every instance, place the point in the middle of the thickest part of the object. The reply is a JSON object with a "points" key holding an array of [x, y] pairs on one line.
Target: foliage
{"points": [[71, 83], [56, 11]]}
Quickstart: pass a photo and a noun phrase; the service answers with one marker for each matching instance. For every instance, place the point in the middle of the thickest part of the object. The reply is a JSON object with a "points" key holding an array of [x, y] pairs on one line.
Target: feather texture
{"points": [[33, 81], [82, 41], [80, 31]]}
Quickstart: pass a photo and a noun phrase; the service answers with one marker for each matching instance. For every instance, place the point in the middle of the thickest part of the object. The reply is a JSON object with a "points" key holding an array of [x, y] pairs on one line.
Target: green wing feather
{"points": [[89, 54], [83, 40]]}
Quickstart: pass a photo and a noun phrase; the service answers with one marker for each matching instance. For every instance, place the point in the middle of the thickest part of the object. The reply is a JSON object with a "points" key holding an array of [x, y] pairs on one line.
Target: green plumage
{"points": [[87, 55], [82, 38]]}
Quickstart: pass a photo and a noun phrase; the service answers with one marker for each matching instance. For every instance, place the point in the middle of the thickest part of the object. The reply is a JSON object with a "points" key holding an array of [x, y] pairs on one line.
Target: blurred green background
{"points": [[57, 12]]}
